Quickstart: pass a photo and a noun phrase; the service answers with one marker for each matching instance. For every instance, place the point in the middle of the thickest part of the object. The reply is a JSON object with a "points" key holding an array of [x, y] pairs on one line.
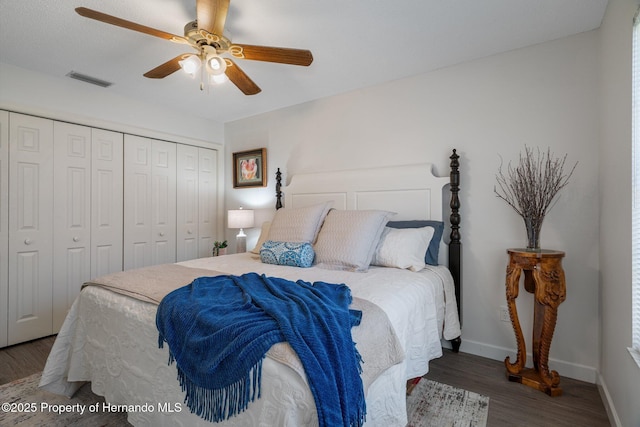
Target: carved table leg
{"points": [[550, 292], [512, 286]]}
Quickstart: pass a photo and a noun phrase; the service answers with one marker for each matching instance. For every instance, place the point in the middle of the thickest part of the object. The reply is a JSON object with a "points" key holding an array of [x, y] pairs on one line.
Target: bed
{"points": [[110, 339]]}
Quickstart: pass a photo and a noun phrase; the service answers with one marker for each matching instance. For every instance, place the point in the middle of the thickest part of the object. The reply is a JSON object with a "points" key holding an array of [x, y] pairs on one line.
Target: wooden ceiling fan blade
{"points": [[211, 15], [240, 78], [109, 19], [282, 55], [163, 70]]}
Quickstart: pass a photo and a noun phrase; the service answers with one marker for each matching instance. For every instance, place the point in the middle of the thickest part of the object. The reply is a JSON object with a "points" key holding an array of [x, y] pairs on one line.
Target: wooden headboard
{"points": [[412, 191]]}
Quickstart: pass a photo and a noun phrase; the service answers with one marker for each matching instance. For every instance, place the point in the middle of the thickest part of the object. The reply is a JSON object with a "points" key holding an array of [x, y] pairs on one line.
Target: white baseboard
{"points": [[565, 369], [608, 402]]}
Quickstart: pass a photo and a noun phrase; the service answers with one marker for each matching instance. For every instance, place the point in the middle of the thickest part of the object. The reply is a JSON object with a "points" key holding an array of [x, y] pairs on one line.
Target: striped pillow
{"points": [[348, 239], [298, 224]]}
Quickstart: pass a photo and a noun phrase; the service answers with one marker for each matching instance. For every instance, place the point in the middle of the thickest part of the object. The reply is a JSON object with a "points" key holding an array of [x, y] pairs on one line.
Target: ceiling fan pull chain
{"points": [[202, 76]]}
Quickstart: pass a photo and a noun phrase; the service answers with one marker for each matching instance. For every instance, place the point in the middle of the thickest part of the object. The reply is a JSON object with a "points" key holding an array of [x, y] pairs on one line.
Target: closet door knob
{"points": [[189, 232], [161, 234], [76, 239], [28, 241]]}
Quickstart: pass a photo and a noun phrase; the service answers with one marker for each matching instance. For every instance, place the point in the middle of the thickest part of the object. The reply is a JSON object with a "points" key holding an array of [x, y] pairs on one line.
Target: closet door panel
{"points": [[137, 202], [4, 225], [72, 216], [196, 201], [30, 228], [163, 202], [207, 200], [187, 203], [106, 202], [150, 202]]}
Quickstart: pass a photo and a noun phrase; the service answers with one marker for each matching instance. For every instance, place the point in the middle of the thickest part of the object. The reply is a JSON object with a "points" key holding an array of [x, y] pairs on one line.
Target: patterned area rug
{"points": [[25, 405], [432, 404], [429, 404]]}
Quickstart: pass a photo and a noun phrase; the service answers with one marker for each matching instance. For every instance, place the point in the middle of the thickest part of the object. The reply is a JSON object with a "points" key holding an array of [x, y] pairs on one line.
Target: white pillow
{"points": [[348, 239], [298, 224], [264, 233], [403, 247]]}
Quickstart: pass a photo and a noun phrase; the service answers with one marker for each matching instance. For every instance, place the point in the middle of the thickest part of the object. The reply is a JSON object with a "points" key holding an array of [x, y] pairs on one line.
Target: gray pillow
{"points": [[298, 224], [348, 239]]}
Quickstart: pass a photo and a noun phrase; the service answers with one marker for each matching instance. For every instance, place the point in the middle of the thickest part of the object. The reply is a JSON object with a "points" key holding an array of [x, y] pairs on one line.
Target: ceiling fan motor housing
{"points": [[201, 38]]}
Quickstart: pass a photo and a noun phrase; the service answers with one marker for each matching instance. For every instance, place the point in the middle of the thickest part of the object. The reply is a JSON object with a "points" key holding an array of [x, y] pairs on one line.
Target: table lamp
{"points": [[240, 218]]}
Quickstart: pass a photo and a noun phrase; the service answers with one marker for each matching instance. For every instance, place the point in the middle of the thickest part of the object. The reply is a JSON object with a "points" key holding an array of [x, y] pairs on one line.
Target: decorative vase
{"points": [[533, 226], [530, 188]]}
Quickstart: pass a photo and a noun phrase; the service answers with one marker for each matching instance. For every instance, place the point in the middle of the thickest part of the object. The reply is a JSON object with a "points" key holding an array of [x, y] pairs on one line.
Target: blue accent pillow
{"points": [[431, 257], [294, 254]]}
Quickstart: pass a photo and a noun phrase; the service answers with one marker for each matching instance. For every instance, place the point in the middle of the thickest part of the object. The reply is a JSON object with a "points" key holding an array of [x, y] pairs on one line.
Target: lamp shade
{"points": [[190, 64], [216, 65], [240, 218]]}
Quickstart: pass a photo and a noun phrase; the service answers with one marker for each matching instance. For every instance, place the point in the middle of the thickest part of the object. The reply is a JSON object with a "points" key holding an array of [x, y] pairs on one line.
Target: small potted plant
{"points": [[219, 248]]}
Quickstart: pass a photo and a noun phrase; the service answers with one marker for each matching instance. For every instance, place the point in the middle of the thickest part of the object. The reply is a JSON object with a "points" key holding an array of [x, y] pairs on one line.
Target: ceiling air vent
{"points": [[88, 79]]}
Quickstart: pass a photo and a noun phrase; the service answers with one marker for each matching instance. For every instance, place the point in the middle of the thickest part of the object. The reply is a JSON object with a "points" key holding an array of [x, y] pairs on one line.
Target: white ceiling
{"points": [[355, 43]]}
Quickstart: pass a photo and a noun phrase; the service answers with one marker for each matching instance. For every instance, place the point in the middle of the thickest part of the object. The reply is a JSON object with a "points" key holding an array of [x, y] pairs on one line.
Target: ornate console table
{"points": [[543, 277]]}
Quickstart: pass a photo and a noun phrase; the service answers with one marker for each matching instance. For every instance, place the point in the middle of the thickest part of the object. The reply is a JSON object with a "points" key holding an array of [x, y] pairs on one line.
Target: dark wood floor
{"points": [[22, 360], [510, 404], [513, 404]]}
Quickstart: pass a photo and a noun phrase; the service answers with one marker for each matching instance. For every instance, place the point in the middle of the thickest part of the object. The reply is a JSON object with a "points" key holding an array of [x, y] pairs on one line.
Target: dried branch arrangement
{"points": [[530, 188]]}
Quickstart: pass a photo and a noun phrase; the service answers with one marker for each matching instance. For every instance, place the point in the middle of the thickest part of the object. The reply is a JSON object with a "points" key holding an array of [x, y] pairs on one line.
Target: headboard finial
{"points": [[278, 187]]}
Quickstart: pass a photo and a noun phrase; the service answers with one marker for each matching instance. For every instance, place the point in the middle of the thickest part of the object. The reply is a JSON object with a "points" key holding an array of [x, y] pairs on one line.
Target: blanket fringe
{"points": [[215, 405], [361, 418]]}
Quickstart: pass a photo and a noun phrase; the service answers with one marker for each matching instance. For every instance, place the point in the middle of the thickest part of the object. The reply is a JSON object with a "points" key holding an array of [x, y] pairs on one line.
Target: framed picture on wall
{"points": [[250, 168]]}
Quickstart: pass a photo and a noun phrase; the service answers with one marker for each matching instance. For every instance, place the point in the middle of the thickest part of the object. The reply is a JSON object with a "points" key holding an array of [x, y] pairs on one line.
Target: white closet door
{"points": [[137, 202], [207, 200], [30, 227], [187, 202], [72, 216], [106, 202], [163, 211], [4, 225], [149, 202]]}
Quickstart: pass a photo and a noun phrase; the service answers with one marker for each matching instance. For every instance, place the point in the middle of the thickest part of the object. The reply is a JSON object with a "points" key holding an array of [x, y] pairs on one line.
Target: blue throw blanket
{"points": [[219, 329]]}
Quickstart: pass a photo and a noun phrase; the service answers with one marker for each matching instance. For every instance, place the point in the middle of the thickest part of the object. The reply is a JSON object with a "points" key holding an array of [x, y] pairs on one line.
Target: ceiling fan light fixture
{"points": [[215, 64], [190, 65], [218, 78]]}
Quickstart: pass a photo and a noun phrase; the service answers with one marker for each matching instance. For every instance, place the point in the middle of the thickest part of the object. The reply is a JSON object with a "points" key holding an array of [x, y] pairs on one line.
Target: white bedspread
{"points": [[111, 340]]}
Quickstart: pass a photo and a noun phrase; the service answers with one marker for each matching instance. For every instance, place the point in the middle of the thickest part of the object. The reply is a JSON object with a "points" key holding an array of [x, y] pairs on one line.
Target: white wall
{"points": [[620, 376], [66, 99], [542, 96]]}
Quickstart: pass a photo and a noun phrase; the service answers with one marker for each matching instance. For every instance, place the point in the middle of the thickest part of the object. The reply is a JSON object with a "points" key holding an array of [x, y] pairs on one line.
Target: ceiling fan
{"points": [[205, 34]]}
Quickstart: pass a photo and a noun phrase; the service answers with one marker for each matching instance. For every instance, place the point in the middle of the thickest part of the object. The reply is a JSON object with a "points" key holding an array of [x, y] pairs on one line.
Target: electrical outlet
{"points": [[504, 314]]}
